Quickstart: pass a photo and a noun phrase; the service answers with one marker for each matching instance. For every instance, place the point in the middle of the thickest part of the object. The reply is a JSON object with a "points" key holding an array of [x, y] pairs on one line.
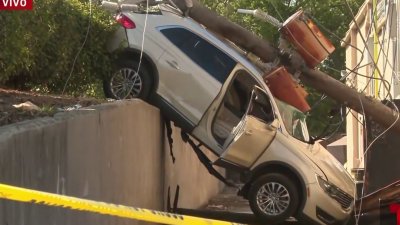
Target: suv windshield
{"points": [[294, 121]]}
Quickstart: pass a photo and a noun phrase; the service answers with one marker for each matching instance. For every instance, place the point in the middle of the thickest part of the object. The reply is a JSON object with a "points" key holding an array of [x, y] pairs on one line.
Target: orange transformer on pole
{"points": [[307, 38], [284, 88]]}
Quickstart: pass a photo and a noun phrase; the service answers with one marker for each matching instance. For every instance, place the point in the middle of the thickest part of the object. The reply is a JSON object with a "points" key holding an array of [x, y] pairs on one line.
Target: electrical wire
{"points": [[362, 36], [387, 84], [388, 23], [376, 68], [381, 47], [364, 126], [336, 130], [362, 55], [355, 47], [293, 36], [385, 131], [276, 10], [355, 185], [389, 95], [340, 39], [142, 47], [381, 51], [366, 154], [80, 49], [360, 61], [362, 52], [323, 97], [357, 67], [143, 37]]}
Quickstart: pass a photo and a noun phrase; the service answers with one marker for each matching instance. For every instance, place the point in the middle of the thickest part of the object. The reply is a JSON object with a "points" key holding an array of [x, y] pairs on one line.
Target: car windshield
{"points": [[294, 121]]}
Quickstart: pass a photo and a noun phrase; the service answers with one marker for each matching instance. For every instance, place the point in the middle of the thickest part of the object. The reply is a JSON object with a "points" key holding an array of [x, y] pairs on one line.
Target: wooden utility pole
{"points": [[321, 81]]}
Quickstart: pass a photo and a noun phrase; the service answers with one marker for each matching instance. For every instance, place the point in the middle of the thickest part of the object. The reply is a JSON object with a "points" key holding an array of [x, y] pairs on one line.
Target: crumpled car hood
{"points": [[333, 169]]}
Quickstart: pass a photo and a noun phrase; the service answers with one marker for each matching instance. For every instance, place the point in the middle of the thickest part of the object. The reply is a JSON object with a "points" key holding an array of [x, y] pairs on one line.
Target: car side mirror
{"points": [[260, 106], [312, 140]]}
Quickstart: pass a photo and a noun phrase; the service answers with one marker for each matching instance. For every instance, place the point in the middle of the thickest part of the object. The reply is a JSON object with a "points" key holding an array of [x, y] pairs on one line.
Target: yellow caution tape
{"points": [[50, 199]]}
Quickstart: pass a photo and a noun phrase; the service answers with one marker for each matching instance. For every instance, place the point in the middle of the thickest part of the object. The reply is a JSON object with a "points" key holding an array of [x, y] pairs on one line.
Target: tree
{"points": [[38, 47]]}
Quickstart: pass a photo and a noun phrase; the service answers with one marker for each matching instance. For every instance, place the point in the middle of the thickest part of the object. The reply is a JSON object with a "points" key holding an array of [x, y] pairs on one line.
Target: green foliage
{"points": [[48, 109], [332, 17], [38, 47]]}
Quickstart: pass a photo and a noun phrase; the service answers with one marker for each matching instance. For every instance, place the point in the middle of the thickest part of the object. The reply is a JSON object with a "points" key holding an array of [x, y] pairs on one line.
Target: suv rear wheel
{"points": [[273, 197], [127, 82]]}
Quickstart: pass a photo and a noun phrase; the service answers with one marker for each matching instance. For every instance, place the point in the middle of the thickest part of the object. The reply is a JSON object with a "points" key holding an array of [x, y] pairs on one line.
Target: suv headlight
{"points": [[329, 188], [344, 199]]}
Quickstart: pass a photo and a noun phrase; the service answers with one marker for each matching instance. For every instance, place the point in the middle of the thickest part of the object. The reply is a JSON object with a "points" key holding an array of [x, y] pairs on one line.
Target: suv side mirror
{"points": [[312, 140], [260, 106]]}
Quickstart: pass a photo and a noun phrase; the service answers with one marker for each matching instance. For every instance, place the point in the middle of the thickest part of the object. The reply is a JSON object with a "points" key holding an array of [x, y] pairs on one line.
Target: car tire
{"points": [[270, 191], [125, 77]]}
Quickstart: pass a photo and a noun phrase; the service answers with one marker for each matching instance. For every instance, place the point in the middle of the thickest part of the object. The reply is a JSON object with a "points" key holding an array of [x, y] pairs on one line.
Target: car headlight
{"points": [[344, 199], [329, 188]]}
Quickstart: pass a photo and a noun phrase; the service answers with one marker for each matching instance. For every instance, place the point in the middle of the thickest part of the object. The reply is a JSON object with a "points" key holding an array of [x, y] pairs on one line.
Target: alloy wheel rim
{"points": [[126, 83], [273, 198]]}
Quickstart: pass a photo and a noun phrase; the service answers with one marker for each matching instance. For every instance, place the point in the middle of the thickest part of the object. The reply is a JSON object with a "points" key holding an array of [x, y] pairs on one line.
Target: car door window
{"points": [[207, 56], [260, 106], [235, 104]]}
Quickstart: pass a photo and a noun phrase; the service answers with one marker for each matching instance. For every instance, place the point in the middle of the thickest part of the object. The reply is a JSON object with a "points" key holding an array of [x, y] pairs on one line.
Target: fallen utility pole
{"points": [[321, 81]]}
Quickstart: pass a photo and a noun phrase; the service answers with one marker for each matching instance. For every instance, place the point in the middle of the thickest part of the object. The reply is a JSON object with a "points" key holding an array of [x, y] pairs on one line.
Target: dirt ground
{"points": [[236, 209], [47, 105]]}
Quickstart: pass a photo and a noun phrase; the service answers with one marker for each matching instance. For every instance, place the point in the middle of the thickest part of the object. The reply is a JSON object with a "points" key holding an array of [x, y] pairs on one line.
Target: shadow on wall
{"points": [[116, 152]]}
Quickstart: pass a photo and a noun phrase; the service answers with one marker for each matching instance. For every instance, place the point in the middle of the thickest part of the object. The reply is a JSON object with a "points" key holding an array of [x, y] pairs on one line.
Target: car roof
{"points": [[226, 46]]}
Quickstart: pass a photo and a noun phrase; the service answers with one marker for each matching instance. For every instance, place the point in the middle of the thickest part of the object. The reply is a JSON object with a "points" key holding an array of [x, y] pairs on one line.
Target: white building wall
{"points": [[388, 65]]}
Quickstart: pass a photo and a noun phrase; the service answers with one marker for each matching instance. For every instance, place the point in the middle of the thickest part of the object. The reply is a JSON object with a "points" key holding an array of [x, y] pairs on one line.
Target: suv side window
{"points": [[211, 59], [234, 105]]}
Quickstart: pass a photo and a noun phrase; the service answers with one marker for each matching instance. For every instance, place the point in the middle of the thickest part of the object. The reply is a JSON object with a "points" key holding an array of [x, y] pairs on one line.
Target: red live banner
{"points": [[395, 209], [16, 4]]}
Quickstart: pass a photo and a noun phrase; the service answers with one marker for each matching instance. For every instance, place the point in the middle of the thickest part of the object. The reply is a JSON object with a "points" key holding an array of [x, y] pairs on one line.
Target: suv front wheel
{"points": [[273, 197], [128, 80]]}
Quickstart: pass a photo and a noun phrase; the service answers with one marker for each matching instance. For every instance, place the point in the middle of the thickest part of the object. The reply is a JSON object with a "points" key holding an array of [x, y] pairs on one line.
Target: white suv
{"points": [[215, 94]]}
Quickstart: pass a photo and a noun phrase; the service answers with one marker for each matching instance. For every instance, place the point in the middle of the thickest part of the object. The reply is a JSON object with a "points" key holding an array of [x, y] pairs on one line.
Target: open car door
{"points": [[253, 134]]}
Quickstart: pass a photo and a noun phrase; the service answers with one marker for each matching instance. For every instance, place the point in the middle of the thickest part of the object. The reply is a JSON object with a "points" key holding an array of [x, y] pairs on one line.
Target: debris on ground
{"points": [[27, 106], [16, 106]]}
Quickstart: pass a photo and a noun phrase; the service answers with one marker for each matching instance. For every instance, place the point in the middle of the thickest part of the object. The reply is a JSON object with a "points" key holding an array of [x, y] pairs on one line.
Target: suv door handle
{"points": [[248, 132], [173, 64]]}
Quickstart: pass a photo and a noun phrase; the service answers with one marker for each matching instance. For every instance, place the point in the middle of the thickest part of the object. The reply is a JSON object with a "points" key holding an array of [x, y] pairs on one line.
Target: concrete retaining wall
{"points": [[115, 152]]}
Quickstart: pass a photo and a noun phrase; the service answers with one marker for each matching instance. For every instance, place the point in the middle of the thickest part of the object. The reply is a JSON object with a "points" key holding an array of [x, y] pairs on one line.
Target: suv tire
{"points": [[125, 77], [273, 197]]}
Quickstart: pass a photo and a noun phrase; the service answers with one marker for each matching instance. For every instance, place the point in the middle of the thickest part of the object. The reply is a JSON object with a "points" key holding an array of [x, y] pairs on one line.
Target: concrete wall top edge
{"points": [[60, 117]]}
